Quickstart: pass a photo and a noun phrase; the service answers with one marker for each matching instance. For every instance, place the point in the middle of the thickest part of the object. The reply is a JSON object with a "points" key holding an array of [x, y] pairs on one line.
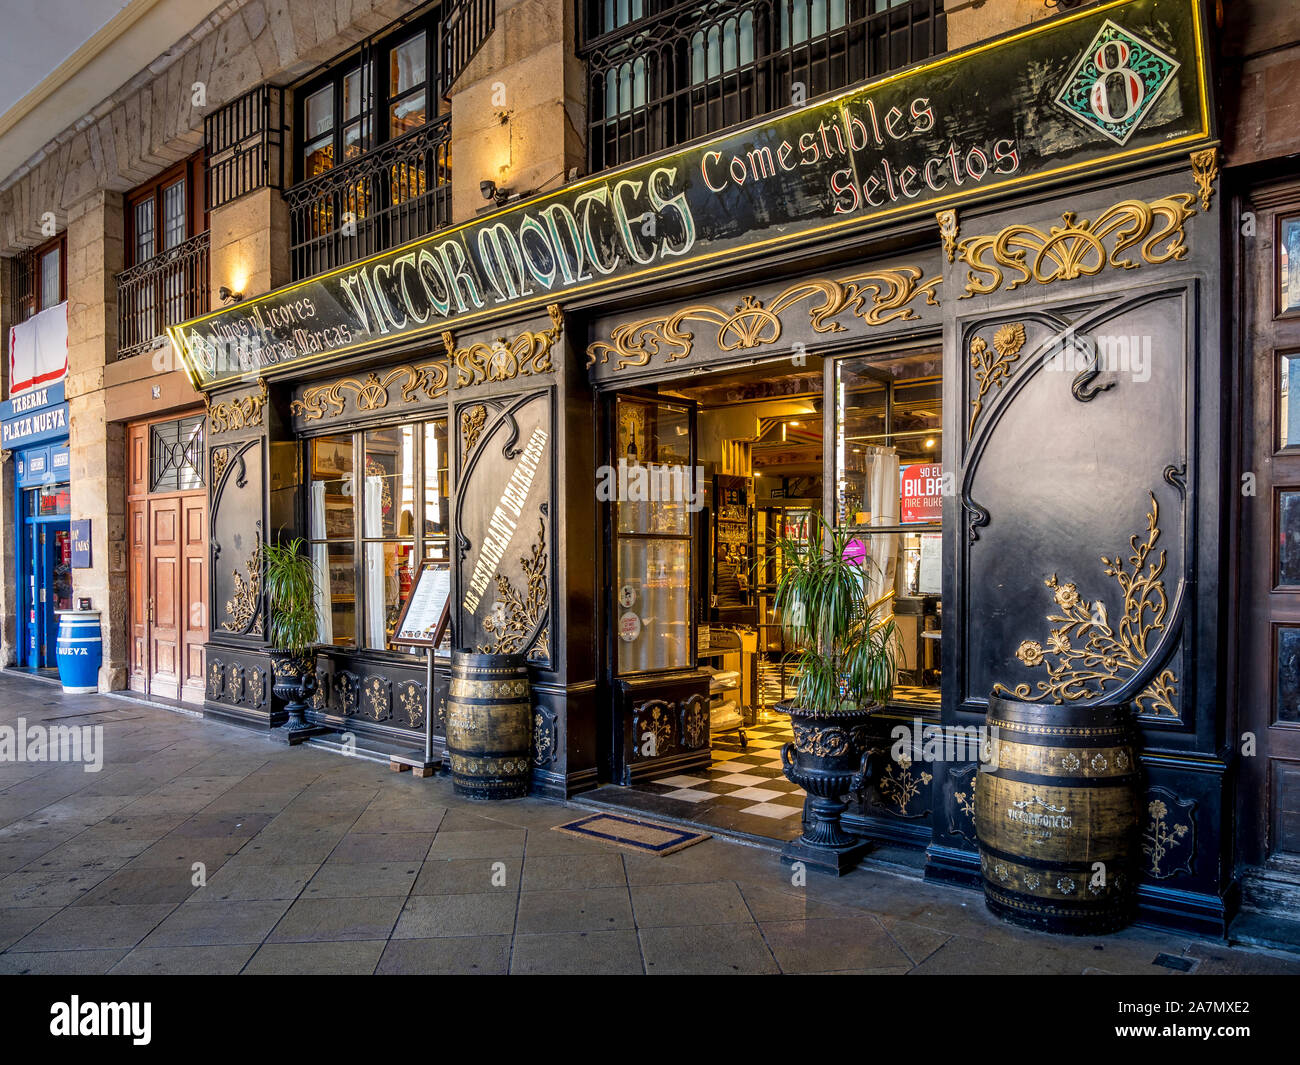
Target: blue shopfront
{"points": [[34, 428]]}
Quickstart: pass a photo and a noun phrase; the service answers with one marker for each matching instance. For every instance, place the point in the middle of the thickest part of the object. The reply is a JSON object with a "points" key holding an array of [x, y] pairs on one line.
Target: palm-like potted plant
{"points": [[845, 669], [289, 578]]}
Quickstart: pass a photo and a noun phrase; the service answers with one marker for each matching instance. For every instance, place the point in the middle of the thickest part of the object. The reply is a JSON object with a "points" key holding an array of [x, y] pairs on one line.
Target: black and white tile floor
{"points": [[743, 790]]}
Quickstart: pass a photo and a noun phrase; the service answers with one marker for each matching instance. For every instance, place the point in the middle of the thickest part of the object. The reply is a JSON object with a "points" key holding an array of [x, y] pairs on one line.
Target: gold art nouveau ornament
{"points": [[514, 616], [371, 394], [874, 296], [993, 369], [244, 607], [527, 354], [1107, 653], [1079, 247], [948, 229], [242, 412], [1205, 171]]}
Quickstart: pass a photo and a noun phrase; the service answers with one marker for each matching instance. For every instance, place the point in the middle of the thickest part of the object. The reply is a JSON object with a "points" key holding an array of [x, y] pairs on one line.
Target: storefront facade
{"points": [[34, 428], [984, 335]]}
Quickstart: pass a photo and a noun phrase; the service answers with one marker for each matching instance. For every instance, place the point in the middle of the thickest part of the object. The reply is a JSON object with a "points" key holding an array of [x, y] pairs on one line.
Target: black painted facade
{"points": [[1076, 481]]}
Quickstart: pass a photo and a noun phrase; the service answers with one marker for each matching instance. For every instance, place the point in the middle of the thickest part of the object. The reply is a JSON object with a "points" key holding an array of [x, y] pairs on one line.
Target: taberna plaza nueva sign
{"points": [[1078, 94]]}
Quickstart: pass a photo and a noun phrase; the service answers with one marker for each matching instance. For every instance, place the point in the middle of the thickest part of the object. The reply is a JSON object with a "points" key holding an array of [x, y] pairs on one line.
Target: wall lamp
{"points": [[491, 192], [227, 296]]}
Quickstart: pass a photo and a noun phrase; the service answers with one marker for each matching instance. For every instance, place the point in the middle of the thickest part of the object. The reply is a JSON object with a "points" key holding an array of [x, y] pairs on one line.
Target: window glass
{"points": [[389, 503], [654, 447], [51, 280], [383, 521], [437, 505], [176, 455], [331, 488], [389, 574], [336, 606], [407, 79], [173, 210], [144, 230], [889, 489], [654, 622], [318, 132]]}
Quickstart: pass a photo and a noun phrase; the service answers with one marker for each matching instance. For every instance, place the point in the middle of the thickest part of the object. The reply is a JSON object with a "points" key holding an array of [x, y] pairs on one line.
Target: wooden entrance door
{"points": [[168, 578], [1269, 579]]}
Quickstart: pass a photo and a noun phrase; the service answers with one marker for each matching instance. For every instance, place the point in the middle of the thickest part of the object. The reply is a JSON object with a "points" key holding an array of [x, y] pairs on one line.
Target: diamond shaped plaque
{"points": [[1116, 82]]}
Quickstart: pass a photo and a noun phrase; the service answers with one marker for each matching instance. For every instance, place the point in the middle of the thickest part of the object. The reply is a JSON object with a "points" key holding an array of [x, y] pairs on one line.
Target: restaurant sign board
{"points": [[1081, 93]]}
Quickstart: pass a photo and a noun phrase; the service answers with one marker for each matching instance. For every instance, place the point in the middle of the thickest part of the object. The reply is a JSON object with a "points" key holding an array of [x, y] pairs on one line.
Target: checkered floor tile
{"points": [[746, 779]]}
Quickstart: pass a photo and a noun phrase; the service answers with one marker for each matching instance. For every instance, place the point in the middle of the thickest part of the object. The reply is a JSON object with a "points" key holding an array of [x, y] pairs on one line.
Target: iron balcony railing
{"points": [[660, 74], [169, 288], [397, 192]]}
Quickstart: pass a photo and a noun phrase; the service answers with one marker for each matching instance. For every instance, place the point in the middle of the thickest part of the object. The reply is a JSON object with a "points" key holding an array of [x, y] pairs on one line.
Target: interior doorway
{"points": [[729, 464], [167, 521], [1268, 576]]}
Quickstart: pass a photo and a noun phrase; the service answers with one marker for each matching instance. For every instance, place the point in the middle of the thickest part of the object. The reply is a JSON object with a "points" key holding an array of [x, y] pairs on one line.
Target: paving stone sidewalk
{"points": [[317, 863]]}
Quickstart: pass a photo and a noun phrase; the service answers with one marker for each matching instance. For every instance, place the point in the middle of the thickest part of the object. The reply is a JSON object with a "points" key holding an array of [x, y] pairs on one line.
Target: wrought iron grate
{"points": [[396, 193], [659, 75], [244, 145], [162, 291]]}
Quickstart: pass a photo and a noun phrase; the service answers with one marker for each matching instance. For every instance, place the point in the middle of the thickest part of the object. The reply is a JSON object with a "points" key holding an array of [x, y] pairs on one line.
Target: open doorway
{"points": [[698, 653]]}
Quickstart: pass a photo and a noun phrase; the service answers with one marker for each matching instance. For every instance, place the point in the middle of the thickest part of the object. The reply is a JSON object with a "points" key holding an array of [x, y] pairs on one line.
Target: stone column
{"points": [[98, 454]]}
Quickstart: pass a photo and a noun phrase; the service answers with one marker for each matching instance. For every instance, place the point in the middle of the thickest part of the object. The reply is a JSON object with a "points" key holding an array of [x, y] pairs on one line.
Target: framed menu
{"points": [[427, 611]]}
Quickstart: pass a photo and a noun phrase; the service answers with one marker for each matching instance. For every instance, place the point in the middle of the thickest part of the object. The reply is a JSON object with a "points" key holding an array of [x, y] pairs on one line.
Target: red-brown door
{"points": [[194, 566], [168, 550], [165, 597]]}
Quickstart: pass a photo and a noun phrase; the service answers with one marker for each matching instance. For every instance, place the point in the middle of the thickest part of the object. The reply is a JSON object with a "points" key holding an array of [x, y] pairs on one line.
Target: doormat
{"points": [[641, 836]]}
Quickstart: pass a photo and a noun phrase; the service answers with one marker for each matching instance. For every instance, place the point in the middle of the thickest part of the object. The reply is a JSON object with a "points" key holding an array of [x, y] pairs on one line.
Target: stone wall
{"points": [[97, 462], [518, 109], [151, 121]]}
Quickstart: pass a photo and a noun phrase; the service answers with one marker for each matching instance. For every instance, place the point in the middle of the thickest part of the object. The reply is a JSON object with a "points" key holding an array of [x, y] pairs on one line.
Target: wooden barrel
{"points": [[1058, 817], [489, 720]]}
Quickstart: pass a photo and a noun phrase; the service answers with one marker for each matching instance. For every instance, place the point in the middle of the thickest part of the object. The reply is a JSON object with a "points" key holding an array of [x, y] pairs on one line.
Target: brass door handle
{"points": [[150, 617]]}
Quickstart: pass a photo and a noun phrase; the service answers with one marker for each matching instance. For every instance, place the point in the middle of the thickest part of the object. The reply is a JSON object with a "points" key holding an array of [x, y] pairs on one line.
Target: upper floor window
{"points": [[378, 94], [41, 278], [166, 275], [661, 73], [165, 212]]}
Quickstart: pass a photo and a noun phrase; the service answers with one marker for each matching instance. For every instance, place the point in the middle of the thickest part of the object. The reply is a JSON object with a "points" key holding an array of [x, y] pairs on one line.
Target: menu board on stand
{"points": [[424, 622]]}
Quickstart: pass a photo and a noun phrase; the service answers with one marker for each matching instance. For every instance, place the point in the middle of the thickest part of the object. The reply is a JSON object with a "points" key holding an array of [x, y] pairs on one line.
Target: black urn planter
{"points": [[829, 758], [293, 677]]}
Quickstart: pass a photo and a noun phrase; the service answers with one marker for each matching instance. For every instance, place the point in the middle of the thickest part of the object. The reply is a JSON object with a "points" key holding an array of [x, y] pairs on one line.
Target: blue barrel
{"points": [[79, 650]]}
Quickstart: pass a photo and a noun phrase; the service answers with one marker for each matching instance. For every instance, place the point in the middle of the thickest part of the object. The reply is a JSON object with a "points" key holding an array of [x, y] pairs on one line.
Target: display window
{"points": [[378, 503]]}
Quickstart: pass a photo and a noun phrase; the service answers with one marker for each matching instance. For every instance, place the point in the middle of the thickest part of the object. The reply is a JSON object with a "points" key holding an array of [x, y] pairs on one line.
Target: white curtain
{"points": [[882, 548], [374, 522], [321, 563]]}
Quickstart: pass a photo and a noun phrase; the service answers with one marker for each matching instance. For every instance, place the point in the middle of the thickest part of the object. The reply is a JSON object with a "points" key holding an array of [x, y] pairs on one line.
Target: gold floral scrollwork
{"points": [[1205, 171], [220, 459], [948, 230], [993, 369], [1078, 247], [874, 296], [514, 616], [330, 400], [472, 422], [242, 412], [244, 608], [1108, 652], [528, 354], [899, 785]]}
